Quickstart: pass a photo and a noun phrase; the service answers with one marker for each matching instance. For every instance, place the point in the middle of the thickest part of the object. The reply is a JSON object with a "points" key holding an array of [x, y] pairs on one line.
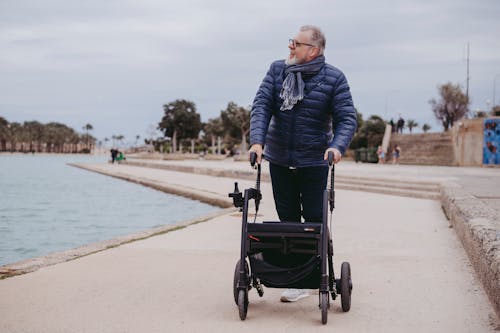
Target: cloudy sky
{"points": [[114, 63]]}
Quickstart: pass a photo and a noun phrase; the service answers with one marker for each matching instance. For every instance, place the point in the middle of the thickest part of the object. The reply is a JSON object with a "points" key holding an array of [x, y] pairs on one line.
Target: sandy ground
{"points": [[410, 274]]}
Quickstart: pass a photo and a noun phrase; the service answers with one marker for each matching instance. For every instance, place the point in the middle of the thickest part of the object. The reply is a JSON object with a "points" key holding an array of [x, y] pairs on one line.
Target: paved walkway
{"points": [[483, 183], [410, 272]]}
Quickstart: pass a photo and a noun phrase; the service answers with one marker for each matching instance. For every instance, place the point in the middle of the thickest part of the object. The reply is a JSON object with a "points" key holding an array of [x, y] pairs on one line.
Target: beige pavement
{"points": [[410, 273]]}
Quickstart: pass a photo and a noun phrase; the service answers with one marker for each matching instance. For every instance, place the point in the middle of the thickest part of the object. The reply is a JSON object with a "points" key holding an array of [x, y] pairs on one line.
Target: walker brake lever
{"points": [[237, 196]]}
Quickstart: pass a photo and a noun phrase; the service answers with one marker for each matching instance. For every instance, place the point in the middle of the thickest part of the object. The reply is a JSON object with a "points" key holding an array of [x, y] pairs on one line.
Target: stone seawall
{"points": [[478, 227]]}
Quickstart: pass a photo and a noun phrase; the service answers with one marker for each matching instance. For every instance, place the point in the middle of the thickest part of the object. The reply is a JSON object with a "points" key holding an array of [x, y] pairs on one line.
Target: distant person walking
{"points": [[381, 155], [119, 157], [401, 125], [114, 153], [395, 154]]}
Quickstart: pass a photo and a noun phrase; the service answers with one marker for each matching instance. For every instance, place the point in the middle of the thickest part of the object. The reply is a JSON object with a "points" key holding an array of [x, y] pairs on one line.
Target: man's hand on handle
{"points": [[256, 148], [336, 155]]}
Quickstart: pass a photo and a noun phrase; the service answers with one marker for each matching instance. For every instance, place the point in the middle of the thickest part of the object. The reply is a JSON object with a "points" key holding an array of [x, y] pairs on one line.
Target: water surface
{"points": [[47, 206]]}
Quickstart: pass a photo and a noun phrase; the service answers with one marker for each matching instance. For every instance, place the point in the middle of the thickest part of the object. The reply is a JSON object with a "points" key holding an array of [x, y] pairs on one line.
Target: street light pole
{"points": [[468, 77], [493, 104]]}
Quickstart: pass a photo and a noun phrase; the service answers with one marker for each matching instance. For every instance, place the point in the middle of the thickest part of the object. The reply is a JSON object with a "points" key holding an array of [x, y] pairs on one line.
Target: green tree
{"points": [[180, 121], [374, 129], [452, 105], [32, 135], [14, 135], [35, 134], [236, 122], [213, 129], [479, 114], [370, 132], [60, 138], [495, 111], [426, 128], [411, 124], [358, 140], [4, 128]]}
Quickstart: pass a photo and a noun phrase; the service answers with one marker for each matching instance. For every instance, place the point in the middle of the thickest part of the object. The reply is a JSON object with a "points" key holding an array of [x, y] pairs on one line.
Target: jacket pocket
{"points": [[313, 142]]}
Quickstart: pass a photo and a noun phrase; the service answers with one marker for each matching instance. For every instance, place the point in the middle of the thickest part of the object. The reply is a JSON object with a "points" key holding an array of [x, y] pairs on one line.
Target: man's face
{"points": [[300, 52]]}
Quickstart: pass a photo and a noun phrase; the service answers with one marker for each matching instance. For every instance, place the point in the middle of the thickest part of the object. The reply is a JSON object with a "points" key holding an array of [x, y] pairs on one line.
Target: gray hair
{"points": [[317, 36]]}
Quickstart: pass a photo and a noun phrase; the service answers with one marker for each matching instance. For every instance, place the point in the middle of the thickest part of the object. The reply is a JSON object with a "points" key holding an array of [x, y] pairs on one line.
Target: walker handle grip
{"points": [[253, 158], [330, 158]]}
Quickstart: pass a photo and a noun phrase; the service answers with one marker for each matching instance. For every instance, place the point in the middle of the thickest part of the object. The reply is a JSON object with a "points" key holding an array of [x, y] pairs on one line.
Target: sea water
{"points": [[47, 205]]}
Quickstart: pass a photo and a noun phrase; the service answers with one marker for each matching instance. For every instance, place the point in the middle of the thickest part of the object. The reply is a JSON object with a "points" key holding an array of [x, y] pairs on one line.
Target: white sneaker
{"points": [[293, 295]]}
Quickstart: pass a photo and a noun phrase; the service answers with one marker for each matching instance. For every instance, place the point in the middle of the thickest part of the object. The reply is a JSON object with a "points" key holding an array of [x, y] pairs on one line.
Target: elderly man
{"points": [[303, 109]]}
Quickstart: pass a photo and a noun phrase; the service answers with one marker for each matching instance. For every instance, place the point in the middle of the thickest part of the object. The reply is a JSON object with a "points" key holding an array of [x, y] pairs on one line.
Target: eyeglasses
{"points": [[295, 44]]}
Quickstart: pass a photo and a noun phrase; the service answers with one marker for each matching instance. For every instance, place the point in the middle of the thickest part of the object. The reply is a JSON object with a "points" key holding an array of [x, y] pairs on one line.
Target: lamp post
{"points": [[493, 104]]}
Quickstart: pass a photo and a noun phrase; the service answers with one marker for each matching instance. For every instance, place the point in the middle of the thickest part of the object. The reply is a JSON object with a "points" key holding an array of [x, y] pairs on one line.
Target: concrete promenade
{"points": [[410, 270]]}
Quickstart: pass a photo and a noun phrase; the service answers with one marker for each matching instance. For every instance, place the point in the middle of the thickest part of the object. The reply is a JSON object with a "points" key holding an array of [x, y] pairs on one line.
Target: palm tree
{"points": [[411, 124], [426, 127], [3, 133], [119, 138], [14, 135], [34, 131], [87, 128]]}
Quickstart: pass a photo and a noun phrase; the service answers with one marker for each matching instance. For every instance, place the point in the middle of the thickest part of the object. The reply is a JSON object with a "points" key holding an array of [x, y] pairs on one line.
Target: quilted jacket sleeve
{"points": [[262, 109], [344, 116]]}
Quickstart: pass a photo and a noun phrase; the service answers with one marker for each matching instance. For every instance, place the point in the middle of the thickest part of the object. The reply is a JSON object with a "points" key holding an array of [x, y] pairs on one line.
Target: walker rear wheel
{"points": [[324, 300], [345, 286]]}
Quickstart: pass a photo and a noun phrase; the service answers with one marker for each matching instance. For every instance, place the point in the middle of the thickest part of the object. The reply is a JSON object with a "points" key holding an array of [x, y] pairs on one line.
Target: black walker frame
{"points": [[288, 238]]}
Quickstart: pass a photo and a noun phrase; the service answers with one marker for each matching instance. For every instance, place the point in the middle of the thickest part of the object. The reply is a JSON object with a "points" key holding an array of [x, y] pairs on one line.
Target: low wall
{"points": [[424, 148], [477, 226], [467, 140]]}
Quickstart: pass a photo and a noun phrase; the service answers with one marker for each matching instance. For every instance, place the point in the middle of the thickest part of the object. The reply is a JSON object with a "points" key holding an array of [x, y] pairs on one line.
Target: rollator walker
{"points": [[284, 254]]}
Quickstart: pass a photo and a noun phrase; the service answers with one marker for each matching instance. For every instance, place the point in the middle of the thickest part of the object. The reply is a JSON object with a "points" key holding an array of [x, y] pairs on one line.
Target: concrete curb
{"points": [[478, 227], [31, 265], [212, 199], [236, 174], [406, 188]]}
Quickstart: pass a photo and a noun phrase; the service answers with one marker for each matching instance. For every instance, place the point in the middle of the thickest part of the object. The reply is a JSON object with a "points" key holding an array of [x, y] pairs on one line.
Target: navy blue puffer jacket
{"points": [[299, 137]]}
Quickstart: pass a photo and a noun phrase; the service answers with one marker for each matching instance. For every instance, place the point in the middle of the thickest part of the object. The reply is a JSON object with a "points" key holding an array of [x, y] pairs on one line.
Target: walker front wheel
{"points": [[237, 279]]}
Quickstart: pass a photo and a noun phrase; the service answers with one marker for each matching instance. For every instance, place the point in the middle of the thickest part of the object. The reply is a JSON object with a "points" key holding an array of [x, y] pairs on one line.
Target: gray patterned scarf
{"points": [[292, 90]]}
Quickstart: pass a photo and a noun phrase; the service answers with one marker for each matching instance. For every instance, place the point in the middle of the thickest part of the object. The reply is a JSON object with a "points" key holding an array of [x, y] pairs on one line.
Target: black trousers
{"points": [[299, 192]]}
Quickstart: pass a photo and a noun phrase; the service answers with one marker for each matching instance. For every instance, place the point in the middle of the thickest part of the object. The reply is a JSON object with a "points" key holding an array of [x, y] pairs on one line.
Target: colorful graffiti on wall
{"points": [[491, 146]]}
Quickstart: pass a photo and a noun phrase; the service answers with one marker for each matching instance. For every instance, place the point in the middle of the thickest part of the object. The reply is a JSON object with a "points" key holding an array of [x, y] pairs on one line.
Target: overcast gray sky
{"points": [[114, 63]]}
